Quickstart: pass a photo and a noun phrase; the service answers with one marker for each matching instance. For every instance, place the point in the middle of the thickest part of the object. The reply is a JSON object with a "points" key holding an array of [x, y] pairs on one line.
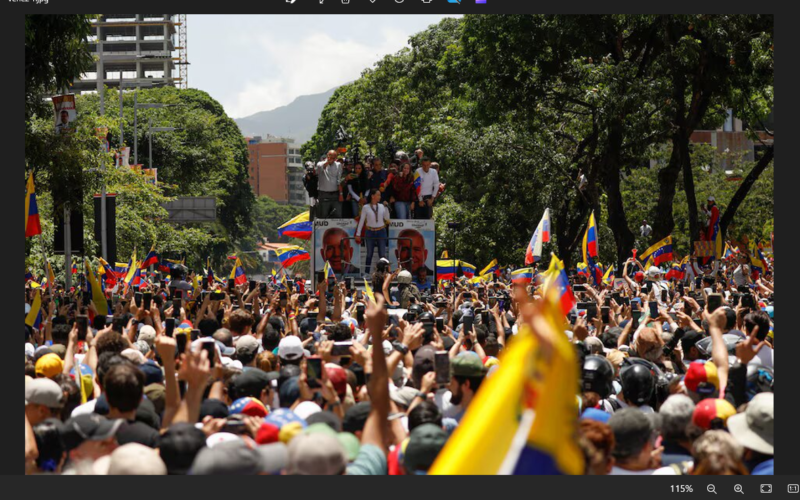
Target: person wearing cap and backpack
{"points": [[408, 290]]}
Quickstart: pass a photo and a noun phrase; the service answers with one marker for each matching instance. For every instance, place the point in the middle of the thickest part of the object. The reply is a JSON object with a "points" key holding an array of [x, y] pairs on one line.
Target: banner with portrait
{"points": [[333, 241], [65, 113], [412, 246]]}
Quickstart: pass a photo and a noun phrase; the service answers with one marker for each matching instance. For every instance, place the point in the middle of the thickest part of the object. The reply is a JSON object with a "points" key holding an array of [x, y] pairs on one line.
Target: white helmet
{"points": [[404, 277]]}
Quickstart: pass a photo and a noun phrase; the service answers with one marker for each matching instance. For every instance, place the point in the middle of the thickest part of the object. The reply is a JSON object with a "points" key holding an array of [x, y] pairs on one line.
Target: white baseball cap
{"points": [[290, 348], [653, 271]]}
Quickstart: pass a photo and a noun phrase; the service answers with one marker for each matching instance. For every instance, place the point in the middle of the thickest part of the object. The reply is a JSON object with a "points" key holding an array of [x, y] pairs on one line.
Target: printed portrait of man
{"points": [[63, 123], [337, 249], [411, 252]]}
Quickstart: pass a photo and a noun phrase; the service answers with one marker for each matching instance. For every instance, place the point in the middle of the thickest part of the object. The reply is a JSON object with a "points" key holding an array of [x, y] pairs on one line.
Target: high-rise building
{"points": [[276, 169], [137, 49]]}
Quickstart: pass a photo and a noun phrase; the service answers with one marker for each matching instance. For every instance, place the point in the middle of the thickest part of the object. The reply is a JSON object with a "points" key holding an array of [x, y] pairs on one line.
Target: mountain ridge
{"points": [[297, 119]]}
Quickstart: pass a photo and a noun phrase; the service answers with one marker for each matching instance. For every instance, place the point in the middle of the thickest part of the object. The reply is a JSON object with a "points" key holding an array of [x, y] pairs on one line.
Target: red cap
{"points": [[267, 434], [639, 276], [708, 410], [338, 378]]}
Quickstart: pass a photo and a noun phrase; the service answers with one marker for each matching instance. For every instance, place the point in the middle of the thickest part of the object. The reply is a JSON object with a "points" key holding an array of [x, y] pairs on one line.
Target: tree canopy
{"points": [[513, 107]]}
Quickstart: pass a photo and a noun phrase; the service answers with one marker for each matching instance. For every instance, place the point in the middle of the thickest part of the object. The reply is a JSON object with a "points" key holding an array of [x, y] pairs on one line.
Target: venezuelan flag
{"points": [[522, 276], [74, 268], [99, 299], [109, 275], [120, 270], [299, 227], [493, 267], [151, 259], [32, 224], [417, 183], [540, 235], [35, 284], [291, 255], [590, 250], [757, 259], [328, 271], [368, 291], [480, 279], [523, 419], [444, 255], [468, 269], [51, 277], [608, 277], [676, 271], [29, 276], [131, 267], [446, 269], [210, 272], [556, 278], [658, 253], [237, 273], [717, 240], [590, 240], [167, 265], [34, 317]]}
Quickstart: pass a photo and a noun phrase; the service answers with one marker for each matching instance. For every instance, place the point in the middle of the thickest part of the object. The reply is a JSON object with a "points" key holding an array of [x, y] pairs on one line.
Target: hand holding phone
{"points": [[314, 372]]}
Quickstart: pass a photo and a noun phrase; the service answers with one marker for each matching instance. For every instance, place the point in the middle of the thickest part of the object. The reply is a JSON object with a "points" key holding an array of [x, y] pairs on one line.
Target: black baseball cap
{"points": [[356, 416], [249, 383], [89, 427], [179, 446]]}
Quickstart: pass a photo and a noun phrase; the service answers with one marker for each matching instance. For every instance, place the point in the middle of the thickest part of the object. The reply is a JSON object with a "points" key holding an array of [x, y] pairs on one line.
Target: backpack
{"points": [[408, 292]]}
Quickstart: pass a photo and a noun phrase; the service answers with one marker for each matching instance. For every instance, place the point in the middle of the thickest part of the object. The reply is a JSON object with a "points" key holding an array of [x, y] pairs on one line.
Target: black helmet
{"points": [[416, 309], [638, 384], [598, 375], [425, 317]]}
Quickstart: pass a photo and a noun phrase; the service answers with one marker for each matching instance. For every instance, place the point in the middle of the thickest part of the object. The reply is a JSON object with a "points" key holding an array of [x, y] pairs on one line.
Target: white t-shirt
{"points": [[429, 183], [373, 216], [739, 277]]}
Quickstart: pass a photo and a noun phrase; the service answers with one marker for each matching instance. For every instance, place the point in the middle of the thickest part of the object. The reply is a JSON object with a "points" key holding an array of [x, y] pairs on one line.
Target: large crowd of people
{"points": [[676, 376]]}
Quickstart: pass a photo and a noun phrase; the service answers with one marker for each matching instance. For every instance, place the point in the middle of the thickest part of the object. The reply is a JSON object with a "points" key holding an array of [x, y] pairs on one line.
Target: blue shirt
{"points": [[765, 468], [376, 180]]}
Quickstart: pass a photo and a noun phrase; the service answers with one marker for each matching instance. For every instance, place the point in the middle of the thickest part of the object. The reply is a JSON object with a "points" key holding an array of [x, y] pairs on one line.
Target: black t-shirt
{"points": [[136, 432]]}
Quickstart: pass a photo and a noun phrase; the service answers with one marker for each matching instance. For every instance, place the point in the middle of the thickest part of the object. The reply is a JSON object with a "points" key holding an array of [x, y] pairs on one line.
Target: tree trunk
{"points": [[664, 223], [691, 197], [617, 220], [744, 189]]}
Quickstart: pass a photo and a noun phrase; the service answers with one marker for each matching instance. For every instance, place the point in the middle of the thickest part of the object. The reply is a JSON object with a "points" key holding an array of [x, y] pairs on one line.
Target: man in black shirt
{"points": [[124, 388]]}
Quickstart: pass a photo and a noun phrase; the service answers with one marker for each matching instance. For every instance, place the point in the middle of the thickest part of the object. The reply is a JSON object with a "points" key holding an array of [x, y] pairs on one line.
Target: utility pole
{"points": [[101, 90], [135, 129]]}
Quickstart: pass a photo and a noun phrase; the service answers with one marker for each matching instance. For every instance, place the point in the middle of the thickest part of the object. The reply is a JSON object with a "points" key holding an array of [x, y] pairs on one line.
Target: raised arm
{"points": [[375, 429]]}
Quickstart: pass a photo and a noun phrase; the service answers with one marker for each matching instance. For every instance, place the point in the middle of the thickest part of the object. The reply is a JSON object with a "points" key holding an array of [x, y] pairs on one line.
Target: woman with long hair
{"points": [[357, 185], [403, 192]]}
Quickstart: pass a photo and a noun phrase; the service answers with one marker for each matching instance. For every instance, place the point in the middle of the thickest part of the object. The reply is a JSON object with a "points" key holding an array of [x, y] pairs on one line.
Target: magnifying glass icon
{"points": [[738, 489], [712, 489]]}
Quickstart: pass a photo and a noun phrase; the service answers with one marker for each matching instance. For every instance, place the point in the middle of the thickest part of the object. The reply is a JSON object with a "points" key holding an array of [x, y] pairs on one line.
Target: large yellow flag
{"points": [[523, 420], [98, 297], [368, 291]]}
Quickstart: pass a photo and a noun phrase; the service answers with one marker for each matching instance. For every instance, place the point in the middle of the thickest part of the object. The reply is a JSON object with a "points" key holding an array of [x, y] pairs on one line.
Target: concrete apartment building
{"points": [[139, 49], [276, 169]]}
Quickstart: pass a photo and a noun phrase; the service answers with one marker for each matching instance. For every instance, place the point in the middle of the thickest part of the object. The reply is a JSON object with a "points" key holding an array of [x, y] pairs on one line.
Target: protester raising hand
{"points": [[747, 350]]}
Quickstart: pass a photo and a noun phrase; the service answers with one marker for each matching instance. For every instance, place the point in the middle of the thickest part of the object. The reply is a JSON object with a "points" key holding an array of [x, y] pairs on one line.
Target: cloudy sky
{"points": [[257, 62]]}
